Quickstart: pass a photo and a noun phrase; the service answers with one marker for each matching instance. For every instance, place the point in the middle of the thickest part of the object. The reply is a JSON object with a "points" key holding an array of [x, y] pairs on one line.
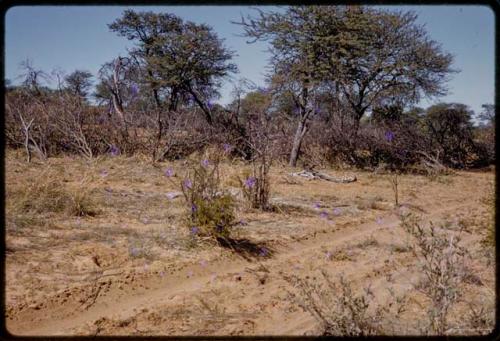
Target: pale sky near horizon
{"points": [[77, 37]]}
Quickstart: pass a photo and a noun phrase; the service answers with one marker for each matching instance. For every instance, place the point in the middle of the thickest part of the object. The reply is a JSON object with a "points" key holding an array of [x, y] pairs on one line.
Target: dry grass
{"points": [[137, 223]]}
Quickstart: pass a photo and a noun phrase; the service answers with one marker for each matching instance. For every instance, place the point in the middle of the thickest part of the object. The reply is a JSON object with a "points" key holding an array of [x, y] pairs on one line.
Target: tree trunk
{"points": [[297, 142]]}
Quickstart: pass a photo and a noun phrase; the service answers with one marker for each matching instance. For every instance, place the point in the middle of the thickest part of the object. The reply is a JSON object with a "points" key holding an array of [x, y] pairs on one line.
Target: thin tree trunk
{"points": [[297, 142]]}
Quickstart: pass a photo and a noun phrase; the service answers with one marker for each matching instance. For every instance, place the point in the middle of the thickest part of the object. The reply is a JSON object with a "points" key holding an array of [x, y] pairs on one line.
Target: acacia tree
{"points": [[78, 83], [450, 132], [179, 60], [293, 73], [367, 57], [377, 57]]}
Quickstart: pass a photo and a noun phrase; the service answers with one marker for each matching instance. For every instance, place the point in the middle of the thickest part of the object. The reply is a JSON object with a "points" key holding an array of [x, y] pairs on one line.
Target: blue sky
{"points": [[77, 37]]}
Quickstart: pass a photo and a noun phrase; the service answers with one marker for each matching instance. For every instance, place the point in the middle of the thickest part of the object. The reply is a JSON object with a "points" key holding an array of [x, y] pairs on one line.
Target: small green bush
{"points": [[211, 211], [214, 217]]}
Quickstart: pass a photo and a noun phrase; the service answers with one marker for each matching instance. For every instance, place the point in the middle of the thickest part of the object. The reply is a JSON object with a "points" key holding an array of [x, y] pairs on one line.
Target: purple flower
{"points": [[219, 228], [263, 252], [389, 136], [210, 105], [316, 109], [250, 182], [169, 172], [134, 89], [162, 273], [114, 150], [337, 211], [194, 230], [205, 163], [203, 263], [323, 215], [104, 173], [193, 208], [328, 255], [134, 251], [243, 222], [317, 205], [188, 184], [171, 195], [227, 147], [189, 273], [379, 220]]}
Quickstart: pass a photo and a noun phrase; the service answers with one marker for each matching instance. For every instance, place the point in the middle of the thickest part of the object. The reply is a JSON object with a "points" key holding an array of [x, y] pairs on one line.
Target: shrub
{"points": [[443, 264], [339, 314], [256, 187], [211, 211], [47, 194]]}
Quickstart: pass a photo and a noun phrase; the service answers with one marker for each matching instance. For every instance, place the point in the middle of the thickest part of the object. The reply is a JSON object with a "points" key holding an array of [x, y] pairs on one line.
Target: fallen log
{"points": [[317, 175]]}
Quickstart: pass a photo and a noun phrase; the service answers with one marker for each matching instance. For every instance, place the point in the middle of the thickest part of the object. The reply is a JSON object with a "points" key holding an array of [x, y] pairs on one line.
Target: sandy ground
{"points": [[134, 268]]}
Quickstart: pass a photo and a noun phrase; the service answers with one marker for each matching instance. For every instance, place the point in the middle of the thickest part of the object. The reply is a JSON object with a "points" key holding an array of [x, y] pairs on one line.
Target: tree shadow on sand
{"points": [[246, 248]]}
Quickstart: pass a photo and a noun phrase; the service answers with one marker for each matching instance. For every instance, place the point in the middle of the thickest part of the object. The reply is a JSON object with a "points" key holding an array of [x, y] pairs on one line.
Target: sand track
{"points": [[153, 292]]}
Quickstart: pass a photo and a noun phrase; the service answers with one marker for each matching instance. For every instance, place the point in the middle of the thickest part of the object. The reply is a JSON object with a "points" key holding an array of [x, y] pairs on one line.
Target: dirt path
{"points": [[145, 293]]}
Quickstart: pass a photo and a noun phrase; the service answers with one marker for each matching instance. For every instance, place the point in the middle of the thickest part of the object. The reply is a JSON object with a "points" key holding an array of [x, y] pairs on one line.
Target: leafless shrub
{"points": [[334, 305], [443, 264], [261, 136]]}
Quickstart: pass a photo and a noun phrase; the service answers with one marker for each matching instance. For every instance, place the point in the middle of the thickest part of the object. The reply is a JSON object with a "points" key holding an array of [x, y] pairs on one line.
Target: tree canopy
{"points": [[180, 60]]}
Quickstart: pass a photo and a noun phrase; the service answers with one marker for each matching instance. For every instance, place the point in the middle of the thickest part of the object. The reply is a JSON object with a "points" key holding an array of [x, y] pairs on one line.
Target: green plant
{"points": [[211, 211]]}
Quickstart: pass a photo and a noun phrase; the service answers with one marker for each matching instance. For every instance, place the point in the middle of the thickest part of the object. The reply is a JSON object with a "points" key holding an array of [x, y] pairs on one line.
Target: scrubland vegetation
{"points": [[140, 206]]}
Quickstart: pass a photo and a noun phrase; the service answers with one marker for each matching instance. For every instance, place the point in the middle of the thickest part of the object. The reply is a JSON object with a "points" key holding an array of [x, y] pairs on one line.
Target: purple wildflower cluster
{"points": [[188, 184], [205, 163], [389, 136], [114, 150], [250, 182], [263, 252], [194, 230], [227, 147], [169, 172], [134, 89]]}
